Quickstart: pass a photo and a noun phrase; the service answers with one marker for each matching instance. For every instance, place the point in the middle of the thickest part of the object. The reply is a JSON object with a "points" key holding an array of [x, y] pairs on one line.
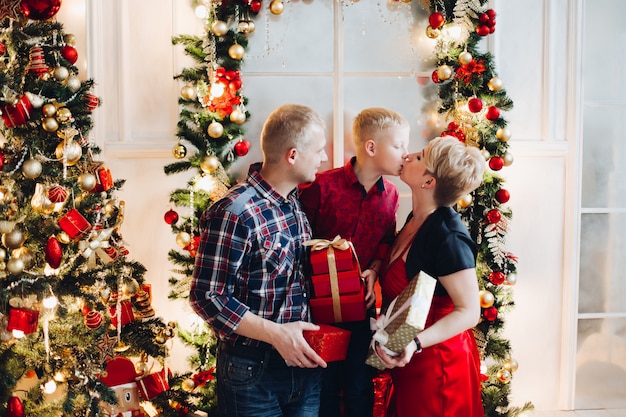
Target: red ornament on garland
{"points": [[502, 196], [475, 104], [15, 408], [496, 163], [435, 77], [93, 319], [18, 114], [490, 313], [494, 216], [70, 53], [54, 252], [497, 277], [92, 102], [242, 147], [492, 113], [482, 30], [436, 20], [170, 217], [255, 6], [40, 9]]}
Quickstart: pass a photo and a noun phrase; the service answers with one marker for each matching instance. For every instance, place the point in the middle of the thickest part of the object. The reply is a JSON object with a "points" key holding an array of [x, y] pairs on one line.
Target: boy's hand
{"points": [[369, 275]]}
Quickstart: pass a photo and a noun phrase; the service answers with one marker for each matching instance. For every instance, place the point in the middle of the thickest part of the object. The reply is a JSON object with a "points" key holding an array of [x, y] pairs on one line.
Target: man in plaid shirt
{"points": [[248, 281]]}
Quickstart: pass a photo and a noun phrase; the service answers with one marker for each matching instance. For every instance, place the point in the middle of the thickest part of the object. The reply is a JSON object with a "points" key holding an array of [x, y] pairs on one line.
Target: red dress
{"points": [[443, 380]]}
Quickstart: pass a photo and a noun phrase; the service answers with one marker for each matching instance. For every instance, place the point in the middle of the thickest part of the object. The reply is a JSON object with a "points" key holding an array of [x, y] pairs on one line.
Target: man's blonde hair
{"points": [[369, 122], [457, 168], [287, 127]]}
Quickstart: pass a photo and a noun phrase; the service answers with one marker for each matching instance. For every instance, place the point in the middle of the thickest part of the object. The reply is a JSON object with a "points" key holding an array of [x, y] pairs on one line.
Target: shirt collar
{"points": [[256, 180]]}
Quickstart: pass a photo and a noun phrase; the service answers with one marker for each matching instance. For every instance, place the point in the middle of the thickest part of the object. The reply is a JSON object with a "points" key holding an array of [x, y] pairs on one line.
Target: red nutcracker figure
{"points": [[120, 375]]}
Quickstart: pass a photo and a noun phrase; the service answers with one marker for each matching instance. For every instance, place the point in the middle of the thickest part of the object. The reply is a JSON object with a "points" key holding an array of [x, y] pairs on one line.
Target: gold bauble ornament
{"points": [[511, 365], [277, 6], [50, 124], [31, 168], [209, 164], [6, 226], [25, 255], [87, 181], [466, 201], [246, 26], [141, 368], [70, 39], [219, 28], [511, 279], [432, 33], [503, 376], [15, 266], [131, 287], [236, 51], [183, 239], [49, 110], [69, 152], [64, 115], [188, 385], [486, 299], [215, 129], [504, 134], [61, 73], [3, 254], [64, 238], [188, 93], [494, 84], [73, 83], [465, 58], [444, 72], [508, 159], [179, 151], [13, 239], [238, 117]]}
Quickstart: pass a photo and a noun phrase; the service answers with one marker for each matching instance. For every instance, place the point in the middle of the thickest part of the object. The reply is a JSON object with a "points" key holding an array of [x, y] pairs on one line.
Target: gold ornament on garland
{"points": [[277, 6], [236, 51], [179, 151], [209, 164], [215, 129], [219, 28]]}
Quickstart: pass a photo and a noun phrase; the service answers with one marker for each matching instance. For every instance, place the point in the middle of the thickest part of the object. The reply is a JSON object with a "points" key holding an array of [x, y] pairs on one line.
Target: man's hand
{"points": [[292, 346]]}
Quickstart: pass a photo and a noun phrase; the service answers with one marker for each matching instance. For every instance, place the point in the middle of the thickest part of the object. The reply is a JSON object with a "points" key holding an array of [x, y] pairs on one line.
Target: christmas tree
{"points": [[471, 98], [77, 329]]}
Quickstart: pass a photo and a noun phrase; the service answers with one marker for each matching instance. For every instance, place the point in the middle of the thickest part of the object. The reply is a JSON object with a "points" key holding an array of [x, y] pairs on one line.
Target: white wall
{"points": [[133, 62]]}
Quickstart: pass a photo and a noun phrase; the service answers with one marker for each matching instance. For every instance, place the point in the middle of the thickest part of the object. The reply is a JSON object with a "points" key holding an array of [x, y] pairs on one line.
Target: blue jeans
{"points": [[252, 388], [347, 386]]}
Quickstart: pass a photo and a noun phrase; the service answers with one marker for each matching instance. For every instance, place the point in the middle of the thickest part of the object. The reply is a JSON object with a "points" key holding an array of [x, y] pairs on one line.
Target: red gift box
{"points": [[104, 180], [74, 224], [152, 385], [330, 342], [24, 319], [347, 282], [126, 313], [18, 114], [348, 307], [320, 261]]}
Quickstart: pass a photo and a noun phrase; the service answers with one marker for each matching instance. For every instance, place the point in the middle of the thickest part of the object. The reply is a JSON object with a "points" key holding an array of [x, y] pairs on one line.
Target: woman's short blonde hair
{"points": [[457, 168], [287, 127], [369, 122]]}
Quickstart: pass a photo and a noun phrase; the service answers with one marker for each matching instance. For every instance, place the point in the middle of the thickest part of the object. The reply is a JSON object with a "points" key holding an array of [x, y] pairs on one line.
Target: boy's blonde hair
{"points": [[372, 121], [288, 127], [458, 168]]}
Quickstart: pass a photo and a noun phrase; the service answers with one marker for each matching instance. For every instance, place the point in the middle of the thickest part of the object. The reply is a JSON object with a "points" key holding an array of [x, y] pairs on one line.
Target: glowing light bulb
{"points": [[201, 12], [18, 334], [49, 387], [217, 89], [50, 302]]}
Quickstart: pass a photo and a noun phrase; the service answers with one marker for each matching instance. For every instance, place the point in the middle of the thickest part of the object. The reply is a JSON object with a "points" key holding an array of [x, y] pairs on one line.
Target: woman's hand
{"points": [[400, 360]]}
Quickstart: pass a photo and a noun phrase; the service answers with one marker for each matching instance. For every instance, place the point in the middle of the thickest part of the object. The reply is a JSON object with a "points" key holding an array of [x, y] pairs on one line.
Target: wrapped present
{"points": [[383, 395], [404, 318], [74, 224], [23, 319], [330, 342], [347, 282], [342, 308], [126, 313], [18, 114], [152, 385], [104, 179], [340, 257]]}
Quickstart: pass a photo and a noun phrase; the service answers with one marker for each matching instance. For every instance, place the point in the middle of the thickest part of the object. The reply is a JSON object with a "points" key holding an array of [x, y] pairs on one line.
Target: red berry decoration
{"points": [[436, 20], [497, 277], [70, 53], [496, 163], [57, 194], [475, 104], [40, 9], [242, 147], [255, 6], [493, 113], [482, 30], [490, 313], [494, 216], [502, 196], [435, 77], [170, 217]]}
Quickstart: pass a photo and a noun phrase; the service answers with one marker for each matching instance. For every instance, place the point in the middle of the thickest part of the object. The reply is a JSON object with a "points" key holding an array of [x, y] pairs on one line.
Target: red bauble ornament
{"points": [[40, 9], [435, 77], [494, 216], [1, 160], [496, 163], [482, 30], [475, 104], [490, 313], [92, 102], [492, 113], [242, 147], [57, 194], [15, 408], [483, 18], [502, 196], [54, 252], [491, 13], [436, 20], [170, 217], [18, 114], [70, 53], [93, 319], [255, 6], [497, 277]]}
